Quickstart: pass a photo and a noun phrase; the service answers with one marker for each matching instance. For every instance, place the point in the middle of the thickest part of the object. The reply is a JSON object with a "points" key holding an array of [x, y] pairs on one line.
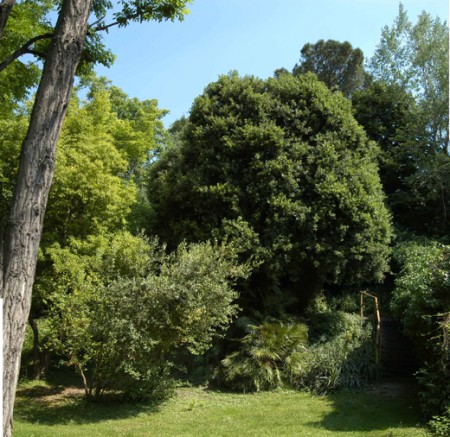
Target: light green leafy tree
{"points": [[415, 57], [121, 306], [406, 111], [72, 44], [95, 190]]}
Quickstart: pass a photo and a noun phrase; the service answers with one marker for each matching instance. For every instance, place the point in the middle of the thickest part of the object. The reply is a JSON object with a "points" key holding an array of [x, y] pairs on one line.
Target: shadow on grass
{"points": [[59, 405], [375, 410]]}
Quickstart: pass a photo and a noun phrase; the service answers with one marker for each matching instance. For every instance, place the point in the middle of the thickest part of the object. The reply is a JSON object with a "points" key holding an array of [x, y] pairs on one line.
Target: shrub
{"points": [[264, 356], [120, 335], [421, 301], [440, 425], [345, 360]]}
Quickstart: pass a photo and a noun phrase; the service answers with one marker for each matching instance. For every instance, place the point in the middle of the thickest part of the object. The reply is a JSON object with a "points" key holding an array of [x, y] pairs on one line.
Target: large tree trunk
{"points": [[5, 10], [37, 163]]}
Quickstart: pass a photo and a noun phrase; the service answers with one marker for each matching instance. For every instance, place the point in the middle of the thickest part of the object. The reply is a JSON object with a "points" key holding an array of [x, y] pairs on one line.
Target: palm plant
{"points": [[264, 355]]}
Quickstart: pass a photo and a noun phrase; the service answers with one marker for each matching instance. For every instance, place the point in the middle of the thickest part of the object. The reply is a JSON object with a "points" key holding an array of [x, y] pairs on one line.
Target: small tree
{"points": [[121, 306]]}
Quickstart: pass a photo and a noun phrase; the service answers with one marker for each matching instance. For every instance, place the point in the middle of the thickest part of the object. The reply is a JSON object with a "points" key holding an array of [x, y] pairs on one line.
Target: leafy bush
{"points": [[345, 360], [440, 425], [120, 334], [422, 288], [421, 301], [264, 356], [275, 354]]}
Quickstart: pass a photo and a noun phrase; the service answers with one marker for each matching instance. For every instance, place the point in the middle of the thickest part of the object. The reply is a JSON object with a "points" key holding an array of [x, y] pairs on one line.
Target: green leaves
{"points": [[124, 305], [281, 170], [421, 301], [158, 10], [415, 57], [336, 64], [265, 355]]}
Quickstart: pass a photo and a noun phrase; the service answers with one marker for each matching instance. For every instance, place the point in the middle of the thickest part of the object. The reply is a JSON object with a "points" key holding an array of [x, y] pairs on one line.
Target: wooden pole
{"points": [[378, 327]]}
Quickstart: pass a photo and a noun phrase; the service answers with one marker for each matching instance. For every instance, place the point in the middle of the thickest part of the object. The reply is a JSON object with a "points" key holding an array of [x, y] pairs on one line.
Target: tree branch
{"points": [[25, 49], [104, 27]]}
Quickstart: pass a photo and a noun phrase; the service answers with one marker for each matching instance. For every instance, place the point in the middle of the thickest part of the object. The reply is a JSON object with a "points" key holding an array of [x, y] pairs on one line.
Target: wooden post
{"points": [[378, 328]]}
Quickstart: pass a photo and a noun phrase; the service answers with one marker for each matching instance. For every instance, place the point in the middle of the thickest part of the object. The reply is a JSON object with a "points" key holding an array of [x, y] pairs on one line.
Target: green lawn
{"points": [[44, 410]]}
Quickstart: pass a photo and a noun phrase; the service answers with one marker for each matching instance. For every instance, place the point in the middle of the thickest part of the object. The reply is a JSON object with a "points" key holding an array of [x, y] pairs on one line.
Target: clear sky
{"points": [[173, 62]]}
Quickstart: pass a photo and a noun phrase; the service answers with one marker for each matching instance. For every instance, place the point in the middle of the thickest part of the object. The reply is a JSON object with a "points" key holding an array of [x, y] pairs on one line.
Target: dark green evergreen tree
{"points": [[281, 169]]}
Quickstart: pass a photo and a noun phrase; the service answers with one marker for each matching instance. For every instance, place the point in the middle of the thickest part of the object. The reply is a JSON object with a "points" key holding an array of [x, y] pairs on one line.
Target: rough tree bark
{"points": [[37, 163], [5, 10]]}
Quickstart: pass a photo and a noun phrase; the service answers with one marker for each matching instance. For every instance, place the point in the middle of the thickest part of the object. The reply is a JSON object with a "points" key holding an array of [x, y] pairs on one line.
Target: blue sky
{"points": [[173, 62]]}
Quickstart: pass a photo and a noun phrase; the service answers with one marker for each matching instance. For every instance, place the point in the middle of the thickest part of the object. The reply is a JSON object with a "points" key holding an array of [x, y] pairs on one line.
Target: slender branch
{"points": [[24, 49], [104, 27]]}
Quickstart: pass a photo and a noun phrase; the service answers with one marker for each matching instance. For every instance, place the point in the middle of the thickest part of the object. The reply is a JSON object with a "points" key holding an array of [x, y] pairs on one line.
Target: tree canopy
{"points": [[405, 111], [415, 57], [336, 64], [282, 169]]}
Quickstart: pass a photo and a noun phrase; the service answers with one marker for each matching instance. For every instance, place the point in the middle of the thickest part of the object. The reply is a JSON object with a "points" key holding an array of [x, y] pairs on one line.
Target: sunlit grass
{"points": [[44, 410]]}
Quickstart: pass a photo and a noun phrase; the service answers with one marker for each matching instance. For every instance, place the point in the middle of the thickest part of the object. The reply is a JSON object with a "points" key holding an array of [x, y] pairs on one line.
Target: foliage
{"points": [[27, 20], [414, 175], [440, 425], [120, 306], [345, 361], [421, 287], [415, 57], [406, 112], [281, 170], [389, 114], [103, 147], [105, 143], [338, 65], [421, 300], [342, 351], [263, 356]]}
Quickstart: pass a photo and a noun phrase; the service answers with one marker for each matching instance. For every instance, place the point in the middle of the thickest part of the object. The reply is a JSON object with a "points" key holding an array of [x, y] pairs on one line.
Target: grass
{"points": [[44, 410]]}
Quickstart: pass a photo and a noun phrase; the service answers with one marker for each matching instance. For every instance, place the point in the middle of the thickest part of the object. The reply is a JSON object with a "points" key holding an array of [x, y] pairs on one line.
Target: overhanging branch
{"points": [[25, 49]]}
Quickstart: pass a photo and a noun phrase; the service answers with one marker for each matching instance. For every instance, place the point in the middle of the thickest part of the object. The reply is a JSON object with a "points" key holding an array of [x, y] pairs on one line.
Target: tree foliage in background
{"points": [[105, 143], [27, 20], [104, 146], [281, 169], [338, 65], [405, 111], [416, 195], [415, 57]]}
